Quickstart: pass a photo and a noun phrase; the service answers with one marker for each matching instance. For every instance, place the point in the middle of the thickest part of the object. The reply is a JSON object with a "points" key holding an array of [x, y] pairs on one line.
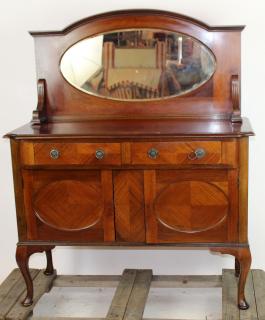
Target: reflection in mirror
{"points": [[138, 64]]}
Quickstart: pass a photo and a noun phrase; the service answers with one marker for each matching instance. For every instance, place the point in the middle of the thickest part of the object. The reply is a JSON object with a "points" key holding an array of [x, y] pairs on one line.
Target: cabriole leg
{"points": [[243, 263], [23, 254], [22, 257]]}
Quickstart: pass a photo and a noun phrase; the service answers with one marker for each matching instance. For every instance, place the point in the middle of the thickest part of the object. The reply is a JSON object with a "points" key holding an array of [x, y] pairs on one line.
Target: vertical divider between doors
{"points": [[109, 223], [149, 196]]}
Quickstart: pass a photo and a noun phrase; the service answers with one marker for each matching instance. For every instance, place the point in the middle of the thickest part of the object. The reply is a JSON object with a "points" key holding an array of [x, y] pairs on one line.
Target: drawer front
{"points": [[71, 153], [186, 152]]}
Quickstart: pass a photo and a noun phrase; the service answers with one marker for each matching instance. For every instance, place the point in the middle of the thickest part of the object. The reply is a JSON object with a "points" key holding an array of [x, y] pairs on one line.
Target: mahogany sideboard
{"points": [[137, 140]]}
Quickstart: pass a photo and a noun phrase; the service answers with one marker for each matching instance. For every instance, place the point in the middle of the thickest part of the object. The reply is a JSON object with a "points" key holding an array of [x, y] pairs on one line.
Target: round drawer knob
{"points": [[100, 154], [197, 154], [153, 153], [54, 154]]}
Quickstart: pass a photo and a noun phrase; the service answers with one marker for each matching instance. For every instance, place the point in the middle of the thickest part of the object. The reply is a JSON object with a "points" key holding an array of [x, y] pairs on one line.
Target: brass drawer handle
{"points": [[100, 154], [54, 154], [197, 154], [153, 153]]}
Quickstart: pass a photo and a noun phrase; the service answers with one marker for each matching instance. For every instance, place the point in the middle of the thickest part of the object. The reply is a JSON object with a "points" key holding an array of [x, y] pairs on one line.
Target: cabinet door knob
{"points": [[153, 153], [54, 154], [100, 154], [197, 154]]}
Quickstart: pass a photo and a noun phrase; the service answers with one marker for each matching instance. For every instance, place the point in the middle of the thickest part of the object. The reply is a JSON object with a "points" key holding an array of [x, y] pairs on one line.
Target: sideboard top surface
{"points": [[124, 129]]}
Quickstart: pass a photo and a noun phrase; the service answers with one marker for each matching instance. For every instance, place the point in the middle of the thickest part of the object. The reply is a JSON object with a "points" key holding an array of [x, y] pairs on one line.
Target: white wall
{"points": [[18, 99]]}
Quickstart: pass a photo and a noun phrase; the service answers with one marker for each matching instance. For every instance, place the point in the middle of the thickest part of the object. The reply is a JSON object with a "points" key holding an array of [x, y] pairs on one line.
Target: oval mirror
{"points": [[142, 64]]}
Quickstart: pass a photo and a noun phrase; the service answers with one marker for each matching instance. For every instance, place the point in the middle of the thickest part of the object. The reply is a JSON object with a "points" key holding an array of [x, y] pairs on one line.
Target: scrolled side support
{"points": [[40, 114], [235, 96]]}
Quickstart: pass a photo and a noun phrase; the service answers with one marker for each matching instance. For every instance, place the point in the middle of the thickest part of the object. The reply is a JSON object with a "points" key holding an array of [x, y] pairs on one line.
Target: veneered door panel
{"points": [[129, 205], [73, 207], [191, 206]]}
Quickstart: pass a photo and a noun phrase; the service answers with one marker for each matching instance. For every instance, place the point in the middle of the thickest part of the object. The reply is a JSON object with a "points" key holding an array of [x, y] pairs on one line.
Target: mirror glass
{"points": [[142, 64]]}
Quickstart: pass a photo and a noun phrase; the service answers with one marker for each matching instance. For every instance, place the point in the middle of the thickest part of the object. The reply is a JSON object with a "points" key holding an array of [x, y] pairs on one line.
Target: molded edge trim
{"points": [[113, 14]]}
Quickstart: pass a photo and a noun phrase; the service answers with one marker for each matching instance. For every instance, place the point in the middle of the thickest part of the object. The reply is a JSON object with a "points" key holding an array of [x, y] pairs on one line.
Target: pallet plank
{"points": [[136, 303], [161, 281], [122, 295], [42, 283], [259, 288], [168, 281], [251, 313], [83, 318], [74, 318], [65, 318], [229, 295], [9, 282], [87, 281], [14, 294]]}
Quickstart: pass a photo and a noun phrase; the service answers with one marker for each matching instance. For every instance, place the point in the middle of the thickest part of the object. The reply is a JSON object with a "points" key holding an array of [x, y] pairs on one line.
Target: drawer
{"points": [[186, 152], [71, 153]]}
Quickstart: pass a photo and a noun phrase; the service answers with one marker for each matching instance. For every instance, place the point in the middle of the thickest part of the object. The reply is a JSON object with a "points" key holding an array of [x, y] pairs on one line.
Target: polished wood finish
{"points": [[237, 268], [135, 129], [64, 102], [243, 257], [176, 152], [76, 206], [39, 115], [243, 190], [235, 94], [190, 206], [70, 153], [217, 152], [23, 254], [129, 206], [171, 172], [49, 269]]}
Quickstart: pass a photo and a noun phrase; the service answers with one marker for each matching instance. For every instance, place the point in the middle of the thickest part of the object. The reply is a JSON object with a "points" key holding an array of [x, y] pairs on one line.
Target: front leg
{"points": [[243, 258], [22, 257], [23, 254]]}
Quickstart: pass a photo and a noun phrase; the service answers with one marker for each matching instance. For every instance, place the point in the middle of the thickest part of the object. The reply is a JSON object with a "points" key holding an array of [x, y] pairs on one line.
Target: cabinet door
{"points": [[72, 205], [191, 206], [129, 206]]}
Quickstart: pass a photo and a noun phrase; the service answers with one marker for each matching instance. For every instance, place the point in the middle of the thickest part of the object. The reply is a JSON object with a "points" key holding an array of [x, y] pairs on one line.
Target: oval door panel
{"points": [[69, 205], [191, 206]]}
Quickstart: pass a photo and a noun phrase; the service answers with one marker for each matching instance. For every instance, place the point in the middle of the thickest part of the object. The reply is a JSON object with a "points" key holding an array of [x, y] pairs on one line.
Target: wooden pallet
{"points": [[132, 290]]}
